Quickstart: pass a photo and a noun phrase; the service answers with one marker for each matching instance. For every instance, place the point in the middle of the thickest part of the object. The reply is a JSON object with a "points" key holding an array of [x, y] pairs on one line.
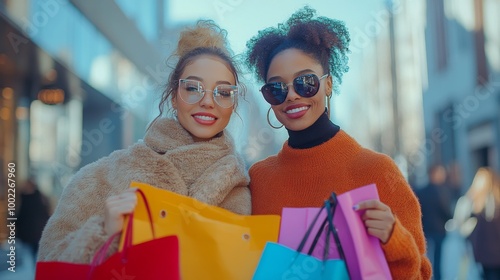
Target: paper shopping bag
{"points": [[282, 262], [214, 243], [138, 265], [154, 259], [363, 252]]}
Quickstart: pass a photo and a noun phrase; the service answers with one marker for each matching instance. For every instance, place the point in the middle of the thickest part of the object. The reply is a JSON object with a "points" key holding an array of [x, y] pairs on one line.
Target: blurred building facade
{"points": [[462, 98], [78, 80], [393, 66], [444, 55]]}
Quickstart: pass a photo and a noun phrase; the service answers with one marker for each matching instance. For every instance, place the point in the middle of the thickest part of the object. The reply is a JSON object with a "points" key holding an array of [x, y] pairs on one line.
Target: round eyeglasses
{"points": [[192, 91]]}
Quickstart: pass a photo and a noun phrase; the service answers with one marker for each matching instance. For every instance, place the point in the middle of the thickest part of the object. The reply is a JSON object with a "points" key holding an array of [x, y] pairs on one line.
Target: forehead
{"points": [[291, 61], [209, 68]]}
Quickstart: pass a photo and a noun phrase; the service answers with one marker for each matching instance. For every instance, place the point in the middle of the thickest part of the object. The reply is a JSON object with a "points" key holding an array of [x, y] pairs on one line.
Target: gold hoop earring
{"points": [[269, 121]]}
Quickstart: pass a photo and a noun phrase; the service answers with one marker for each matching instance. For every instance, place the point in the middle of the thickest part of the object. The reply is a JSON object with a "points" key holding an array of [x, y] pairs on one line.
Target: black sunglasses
{"points": [[305, 85]]}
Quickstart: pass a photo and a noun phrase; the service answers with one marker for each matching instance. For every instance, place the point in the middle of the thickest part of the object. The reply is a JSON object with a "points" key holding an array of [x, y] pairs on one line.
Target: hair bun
{"points": [[205, 34]]}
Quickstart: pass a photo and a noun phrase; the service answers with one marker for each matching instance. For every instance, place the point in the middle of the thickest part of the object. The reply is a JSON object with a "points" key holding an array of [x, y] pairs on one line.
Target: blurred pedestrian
{"points": [[484, 194], [33, 214], [454, 182], [436, 211]]}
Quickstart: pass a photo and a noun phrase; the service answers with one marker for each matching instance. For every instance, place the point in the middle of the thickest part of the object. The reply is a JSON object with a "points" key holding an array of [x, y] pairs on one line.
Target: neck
{"points": [[319, 132]]}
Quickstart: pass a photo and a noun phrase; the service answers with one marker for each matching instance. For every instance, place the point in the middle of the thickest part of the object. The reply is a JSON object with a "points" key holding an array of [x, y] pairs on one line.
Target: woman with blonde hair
{"points": [[484, 195], [191, 154]]}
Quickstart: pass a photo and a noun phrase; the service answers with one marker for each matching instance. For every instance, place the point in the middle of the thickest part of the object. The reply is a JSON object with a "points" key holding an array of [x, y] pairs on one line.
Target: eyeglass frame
{"points": [[291, 84], [214, 92]]}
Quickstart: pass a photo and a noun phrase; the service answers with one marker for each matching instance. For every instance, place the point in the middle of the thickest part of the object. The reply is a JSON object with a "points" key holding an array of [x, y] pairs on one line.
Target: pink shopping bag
{"points": [[363, 252]]}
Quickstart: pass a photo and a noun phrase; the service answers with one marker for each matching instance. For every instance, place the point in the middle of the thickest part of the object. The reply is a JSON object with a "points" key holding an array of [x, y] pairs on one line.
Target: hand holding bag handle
{"points": [[364, 255], [101, 253], [131, 261]]}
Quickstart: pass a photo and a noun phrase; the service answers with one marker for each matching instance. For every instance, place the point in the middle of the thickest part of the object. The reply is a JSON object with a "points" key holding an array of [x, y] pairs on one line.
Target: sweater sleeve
{"points": [[75, 231], [406, 250]]}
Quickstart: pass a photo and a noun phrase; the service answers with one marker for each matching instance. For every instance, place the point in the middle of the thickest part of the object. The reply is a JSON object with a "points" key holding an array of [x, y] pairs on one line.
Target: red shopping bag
{"points": [[363, 253], [154, 259]]}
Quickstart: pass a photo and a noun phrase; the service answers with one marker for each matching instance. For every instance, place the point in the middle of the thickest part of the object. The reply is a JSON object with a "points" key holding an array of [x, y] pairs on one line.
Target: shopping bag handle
{"points": [[129, 231], [333, 230], [101, 253], [308, 232], [320, 231], [318, 235], [331, 227], [330, 205], [130, 227]]}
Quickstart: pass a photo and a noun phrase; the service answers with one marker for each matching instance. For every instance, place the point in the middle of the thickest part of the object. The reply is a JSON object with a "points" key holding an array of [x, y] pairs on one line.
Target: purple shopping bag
{"points": [[363, 252]]}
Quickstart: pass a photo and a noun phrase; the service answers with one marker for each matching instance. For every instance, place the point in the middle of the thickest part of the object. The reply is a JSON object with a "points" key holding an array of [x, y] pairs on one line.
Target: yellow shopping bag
{"points": [[214, 243]]}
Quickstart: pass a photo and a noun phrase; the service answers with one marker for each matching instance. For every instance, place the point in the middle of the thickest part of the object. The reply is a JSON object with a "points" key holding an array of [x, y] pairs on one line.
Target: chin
{"points": [[205, 136], [297, 125]]}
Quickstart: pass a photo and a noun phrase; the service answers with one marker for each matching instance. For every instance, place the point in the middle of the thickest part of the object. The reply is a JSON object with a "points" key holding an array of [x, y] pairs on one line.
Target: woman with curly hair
{"points": [[301, 63], [190, 154]]}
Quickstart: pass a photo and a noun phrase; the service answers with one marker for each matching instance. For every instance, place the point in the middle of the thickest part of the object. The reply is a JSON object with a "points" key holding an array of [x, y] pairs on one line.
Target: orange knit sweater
{"points": [[306, 177]]}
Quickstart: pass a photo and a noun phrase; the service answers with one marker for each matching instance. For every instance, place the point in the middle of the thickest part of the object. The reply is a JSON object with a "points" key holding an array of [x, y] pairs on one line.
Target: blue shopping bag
{"points": [[281, 262]]}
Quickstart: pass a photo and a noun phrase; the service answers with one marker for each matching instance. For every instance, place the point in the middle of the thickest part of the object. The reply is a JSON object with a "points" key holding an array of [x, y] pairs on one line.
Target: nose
{"points": [[208, 100], [292, 95]]}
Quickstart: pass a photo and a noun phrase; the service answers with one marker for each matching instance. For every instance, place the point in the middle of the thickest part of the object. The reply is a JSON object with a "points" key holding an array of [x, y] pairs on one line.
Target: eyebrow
{"points": [[305, 71], [201, 80]]}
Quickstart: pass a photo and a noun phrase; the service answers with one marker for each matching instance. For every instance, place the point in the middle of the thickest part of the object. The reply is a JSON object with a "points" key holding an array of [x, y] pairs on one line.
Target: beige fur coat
{"points": [[168, 158]]}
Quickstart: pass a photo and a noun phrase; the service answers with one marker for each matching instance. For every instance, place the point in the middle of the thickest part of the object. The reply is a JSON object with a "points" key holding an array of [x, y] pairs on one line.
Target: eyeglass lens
{"points": [[192, 91], [305, 85]]}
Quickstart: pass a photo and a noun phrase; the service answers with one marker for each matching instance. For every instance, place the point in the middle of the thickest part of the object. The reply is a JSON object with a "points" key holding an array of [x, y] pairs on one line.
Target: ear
{"points": [[174, 102]]}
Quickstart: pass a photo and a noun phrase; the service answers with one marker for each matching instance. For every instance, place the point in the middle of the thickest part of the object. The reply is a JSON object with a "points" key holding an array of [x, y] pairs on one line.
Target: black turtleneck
{"points": [[318, 133]]}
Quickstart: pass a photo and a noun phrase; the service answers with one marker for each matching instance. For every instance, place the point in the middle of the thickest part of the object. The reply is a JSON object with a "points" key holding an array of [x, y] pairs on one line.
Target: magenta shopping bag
{"points": [[281, 262], [363, 252]]}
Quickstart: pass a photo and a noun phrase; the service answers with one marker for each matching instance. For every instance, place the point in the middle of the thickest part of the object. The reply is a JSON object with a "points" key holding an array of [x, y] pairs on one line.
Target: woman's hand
{"points": [[117, 206], [378, 219]]}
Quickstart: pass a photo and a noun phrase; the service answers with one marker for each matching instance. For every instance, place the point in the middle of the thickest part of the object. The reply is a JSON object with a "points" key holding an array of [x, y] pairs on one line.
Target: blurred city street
{"points": [[80, 79]]}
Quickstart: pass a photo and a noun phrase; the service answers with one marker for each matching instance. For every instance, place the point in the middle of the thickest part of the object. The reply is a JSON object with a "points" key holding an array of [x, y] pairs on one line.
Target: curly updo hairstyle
{"points": [[324, 39], [205, 38]]}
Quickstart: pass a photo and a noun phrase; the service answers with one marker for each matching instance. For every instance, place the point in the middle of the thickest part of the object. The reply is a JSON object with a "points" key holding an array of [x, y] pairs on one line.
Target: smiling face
{"points": [[297, 112], [204, 119]]}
